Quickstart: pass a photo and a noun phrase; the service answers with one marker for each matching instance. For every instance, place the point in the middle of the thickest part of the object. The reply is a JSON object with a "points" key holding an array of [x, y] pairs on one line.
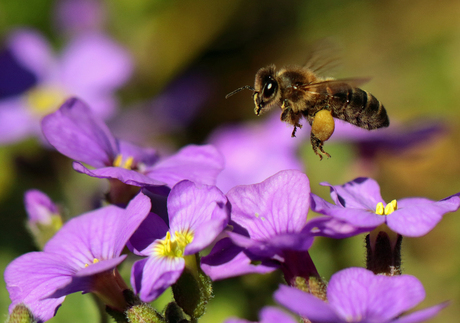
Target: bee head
{"points": [[266, 89]]}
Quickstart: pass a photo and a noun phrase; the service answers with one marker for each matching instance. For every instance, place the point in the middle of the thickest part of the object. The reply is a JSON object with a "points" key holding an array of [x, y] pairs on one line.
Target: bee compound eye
{"points": [[270, 88]]}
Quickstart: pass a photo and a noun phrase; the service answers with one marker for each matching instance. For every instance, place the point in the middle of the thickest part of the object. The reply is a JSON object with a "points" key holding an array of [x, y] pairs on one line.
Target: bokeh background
{"points": [[188, 54]]}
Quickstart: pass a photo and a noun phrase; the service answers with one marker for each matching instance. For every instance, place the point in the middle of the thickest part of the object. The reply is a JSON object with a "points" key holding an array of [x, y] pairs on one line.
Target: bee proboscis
{"points": [[298, 91]]}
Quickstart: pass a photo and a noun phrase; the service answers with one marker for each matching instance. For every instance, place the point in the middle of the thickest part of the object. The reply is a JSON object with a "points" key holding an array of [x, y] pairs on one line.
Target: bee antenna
{"points": [[246, 87]]}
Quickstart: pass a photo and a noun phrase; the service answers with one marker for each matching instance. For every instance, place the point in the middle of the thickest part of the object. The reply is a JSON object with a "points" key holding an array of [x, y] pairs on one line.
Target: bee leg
{"points": [[288, 116], [295, 129], [318, 144]]}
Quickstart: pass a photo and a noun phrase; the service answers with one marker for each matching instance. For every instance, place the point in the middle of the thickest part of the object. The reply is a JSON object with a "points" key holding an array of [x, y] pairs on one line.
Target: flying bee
{"points": [[298, 91]]}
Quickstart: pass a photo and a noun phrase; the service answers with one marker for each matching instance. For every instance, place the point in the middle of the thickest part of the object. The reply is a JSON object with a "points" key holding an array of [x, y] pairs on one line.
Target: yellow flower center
{"points": [[45, 99], [173, 246], [127, 163], [95, 261], [388, 209]]}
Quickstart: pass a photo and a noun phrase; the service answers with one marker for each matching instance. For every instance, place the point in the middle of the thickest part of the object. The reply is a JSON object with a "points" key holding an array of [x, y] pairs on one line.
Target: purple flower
{"points": [[270, 225], [197, 215], [76, 133], [255, 151], [357, 295], [359, 202], [91, 66], [267, 315], [80, 257]]}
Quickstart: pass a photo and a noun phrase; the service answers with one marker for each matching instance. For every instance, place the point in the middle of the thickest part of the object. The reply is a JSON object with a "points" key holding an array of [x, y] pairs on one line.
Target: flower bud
{"points": [[44, 219], [21, 314], [143, 313], [193, 290]]}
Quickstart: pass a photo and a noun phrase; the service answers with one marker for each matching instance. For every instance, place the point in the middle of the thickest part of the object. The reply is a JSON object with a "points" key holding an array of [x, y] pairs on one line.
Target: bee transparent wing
{"points": [[323, 57], [329, 87]]}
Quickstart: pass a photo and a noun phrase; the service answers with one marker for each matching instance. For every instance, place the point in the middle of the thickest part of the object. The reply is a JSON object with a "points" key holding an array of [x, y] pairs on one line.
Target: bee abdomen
{"points": [[360, 108]]}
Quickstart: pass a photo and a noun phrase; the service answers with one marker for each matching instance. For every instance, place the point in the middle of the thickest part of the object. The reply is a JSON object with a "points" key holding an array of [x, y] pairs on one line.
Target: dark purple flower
{"points": [[76, 133], [270, 225], [197, 215], [357, 295], [80, 257], [255, 151], [91, 66], [397, 137], [268, 314], [359, 203]]}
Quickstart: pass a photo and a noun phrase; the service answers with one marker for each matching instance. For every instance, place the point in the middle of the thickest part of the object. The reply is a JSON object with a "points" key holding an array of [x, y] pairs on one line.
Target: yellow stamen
{"points": [[391, 207], [117, 161], [128, 163], [95, 261], [388, 209], [379, 209], [173, 247]]}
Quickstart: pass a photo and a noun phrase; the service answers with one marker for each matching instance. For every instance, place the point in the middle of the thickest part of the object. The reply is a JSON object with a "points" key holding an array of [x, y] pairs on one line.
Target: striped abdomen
{"points": [[358, 107]]}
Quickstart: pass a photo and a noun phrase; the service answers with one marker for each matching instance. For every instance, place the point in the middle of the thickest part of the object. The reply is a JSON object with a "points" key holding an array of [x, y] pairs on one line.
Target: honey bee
{"points": [[298, 91]]}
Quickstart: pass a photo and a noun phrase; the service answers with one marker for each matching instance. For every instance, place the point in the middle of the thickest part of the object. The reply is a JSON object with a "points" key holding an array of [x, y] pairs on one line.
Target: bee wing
{"points": [[330, 86], [323, 57]]}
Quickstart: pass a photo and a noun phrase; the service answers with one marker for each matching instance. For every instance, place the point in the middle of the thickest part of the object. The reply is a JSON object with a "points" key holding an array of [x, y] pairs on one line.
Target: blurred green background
{"points": [[411, 49]]}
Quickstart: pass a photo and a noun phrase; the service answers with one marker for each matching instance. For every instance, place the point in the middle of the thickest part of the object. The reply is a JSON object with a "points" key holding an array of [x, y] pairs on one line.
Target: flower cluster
{"points": [[240, 204], [255, 228]]}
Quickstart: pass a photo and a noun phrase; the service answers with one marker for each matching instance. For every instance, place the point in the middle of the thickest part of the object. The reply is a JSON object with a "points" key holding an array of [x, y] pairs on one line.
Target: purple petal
{"points": [[100, 234], [306, 305], [422, 315], [92, 62], [277, 205], [274, 315], [358, 217], [34, 276], [77, 134], [199, 164], [100, 267], [84, 279], [127, 176], [360, 193], [32, 50], [227, 260], [39, 207], [356, 293], [255, 151], [152, 276], [152, 228], [146, 156], [326, 226], [200, 209], [16, 122], [415, 217], [275, 245]]}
